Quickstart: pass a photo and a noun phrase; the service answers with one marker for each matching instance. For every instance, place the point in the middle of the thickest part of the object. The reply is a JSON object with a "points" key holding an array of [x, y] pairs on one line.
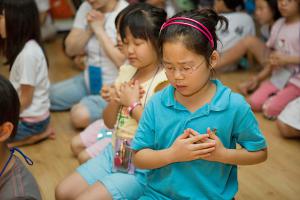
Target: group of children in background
{"points": [[148, 98]]}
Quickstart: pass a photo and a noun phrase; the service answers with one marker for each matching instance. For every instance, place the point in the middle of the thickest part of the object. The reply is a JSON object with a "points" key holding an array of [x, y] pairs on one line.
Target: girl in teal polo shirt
{"points": [[188, 132]]}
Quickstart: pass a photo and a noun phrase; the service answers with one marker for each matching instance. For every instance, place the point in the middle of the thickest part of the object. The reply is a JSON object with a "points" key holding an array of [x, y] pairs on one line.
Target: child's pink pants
{"points": [[270, 100]]}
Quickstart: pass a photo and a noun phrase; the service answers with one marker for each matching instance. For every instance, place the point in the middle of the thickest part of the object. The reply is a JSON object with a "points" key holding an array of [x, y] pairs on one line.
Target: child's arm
{"points": [[76, 41], [279, 59], [96, 21], [244, 157], [110, 113], [250, 85], [235, 156], [185, 148], [26, 96]]}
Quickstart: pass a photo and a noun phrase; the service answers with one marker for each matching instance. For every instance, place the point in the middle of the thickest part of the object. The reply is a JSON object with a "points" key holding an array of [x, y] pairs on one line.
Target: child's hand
{"points": [[109, 93], [95, 19], [105, 93], [142, 91], [129, 93], [248, 86], [218, 154], [80, 61], [277, 59], [186, 148], [193, 133]]}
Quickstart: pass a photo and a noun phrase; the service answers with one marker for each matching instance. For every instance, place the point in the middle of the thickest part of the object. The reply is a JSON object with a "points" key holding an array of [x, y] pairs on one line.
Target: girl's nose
{"points": [[130, 49], [178, 74]]}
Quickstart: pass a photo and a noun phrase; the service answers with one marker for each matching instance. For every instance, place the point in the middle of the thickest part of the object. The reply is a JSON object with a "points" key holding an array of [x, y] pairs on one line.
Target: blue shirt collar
{"points": [[219, 102]]}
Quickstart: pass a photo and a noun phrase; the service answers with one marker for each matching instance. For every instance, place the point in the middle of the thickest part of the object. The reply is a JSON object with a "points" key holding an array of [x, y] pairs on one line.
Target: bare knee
{"points": [[83, 156], [287, 131], [96, 191], [256, 105], [70, 187], [62, 191], [80, 116], [77, 145]]}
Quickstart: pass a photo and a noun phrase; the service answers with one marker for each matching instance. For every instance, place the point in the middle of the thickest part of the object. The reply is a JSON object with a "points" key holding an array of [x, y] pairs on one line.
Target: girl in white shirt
{"points": [[240, 25], [21, 45]]}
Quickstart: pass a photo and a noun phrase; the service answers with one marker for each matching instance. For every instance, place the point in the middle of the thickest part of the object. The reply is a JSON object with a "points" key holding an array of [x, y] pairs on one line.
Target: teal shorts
{"points": [[119, 185]]}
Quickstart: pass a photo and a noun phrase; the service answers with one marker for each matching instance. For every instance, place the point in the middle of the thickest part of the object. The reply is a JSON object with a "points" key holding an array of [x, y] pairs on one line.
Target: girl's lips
{"points": [[132, 60], [180, 87]]}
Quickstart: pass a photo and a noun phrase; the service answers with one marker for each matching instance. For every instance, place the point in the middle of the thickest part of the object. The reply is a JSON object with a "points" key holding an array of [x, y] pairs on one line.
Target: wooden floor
{"points": [[276, 179]]}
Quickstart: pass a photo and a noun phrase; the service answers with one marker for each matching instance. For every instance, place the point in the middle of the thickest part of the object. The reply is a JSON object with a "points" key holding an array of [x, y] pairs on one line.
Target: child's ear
{"points": [[6, 130], [214, 58]]}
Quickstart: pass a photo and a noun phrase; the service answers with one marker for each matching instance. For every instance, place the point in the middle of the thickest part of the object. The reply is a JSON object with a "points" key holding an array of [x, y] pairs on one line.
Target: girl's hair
{"points": [[194, 39], [235, 5], [9, 104], [144, 22], [274, 8], [22, 24], [127, 9]]}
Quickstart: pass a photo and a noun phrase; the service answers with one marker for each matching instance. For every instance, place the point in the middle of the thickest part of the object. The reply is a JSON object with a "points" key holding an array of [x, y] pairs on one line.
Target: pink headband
{"points": [[205, 31]]}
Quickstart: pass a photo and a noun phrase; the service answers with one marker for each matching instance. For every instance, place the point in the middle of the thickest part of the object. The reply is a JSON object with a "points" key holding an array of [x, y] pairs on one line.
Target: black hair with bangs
{"points": [[144, 22]]}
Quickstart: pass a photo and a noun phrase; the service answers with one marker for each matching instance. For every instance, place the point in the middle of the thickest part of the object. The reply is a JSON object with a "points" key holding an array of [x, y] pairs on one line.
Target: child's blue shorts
{"points": [[27, 129], [119, 185]]}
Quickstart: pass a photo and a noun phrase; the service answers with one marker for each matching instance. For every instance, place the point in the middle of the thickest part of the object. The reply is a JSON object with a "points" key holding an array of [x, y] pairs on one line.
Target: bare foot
{"points": [[48, 133]]}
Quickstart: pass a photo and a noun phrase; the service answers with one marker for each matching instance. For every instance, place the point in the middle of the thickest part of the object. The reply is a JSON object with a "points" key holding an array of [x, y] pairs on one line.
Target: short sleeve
{"points": [[29, 65], [145, 134], [247, 132], [252, 30], [80, 18]]}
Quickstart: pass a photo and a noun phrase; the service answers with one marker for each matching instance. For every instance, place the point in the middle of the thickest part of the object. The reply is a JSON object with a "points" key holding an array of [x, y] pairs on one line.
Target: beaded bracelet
{"points": [[132, 107]]}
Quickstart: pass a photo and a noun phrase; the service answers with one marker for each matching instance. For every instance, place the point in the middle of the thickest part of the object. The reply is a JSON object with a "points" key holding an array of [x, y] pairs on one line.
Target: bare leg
{"points": [[48, 133], [95, 192], [70, 187], [80, 116], [83, 156], [77, 145], [249, 44], [286, 131]]}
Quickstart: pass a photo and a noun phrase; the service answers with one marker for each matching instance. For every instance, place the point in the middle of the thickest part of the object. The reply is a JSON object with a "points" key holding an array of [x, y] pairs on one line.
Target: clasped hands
{"points": [[193, 146], [124, 94]]}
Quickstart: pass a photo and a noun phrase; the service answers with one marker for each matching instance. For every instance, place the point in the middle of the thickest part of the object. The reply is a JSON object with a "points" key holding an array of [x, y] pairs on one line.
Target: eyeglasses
{"points": [[186, 70]]}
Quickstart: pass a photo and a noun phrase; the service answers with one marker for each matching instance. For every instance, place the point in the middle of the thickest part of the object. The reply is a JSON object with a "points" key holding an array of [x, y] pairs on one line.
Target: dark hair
{"points": [[274, 8], [127, 9], [22, 24], [9, 104], [144, 23], [192, 38], [234, 4]]}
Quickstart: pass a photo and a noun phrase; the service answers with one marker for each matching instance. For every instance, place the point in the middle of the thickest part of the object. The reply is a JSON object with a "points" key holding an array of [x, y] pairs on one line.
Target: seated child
{"points": [[15, 179], [28, 69], [278, 83], [266, 13], [240, 25], [98, 178], [187, 137]]}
